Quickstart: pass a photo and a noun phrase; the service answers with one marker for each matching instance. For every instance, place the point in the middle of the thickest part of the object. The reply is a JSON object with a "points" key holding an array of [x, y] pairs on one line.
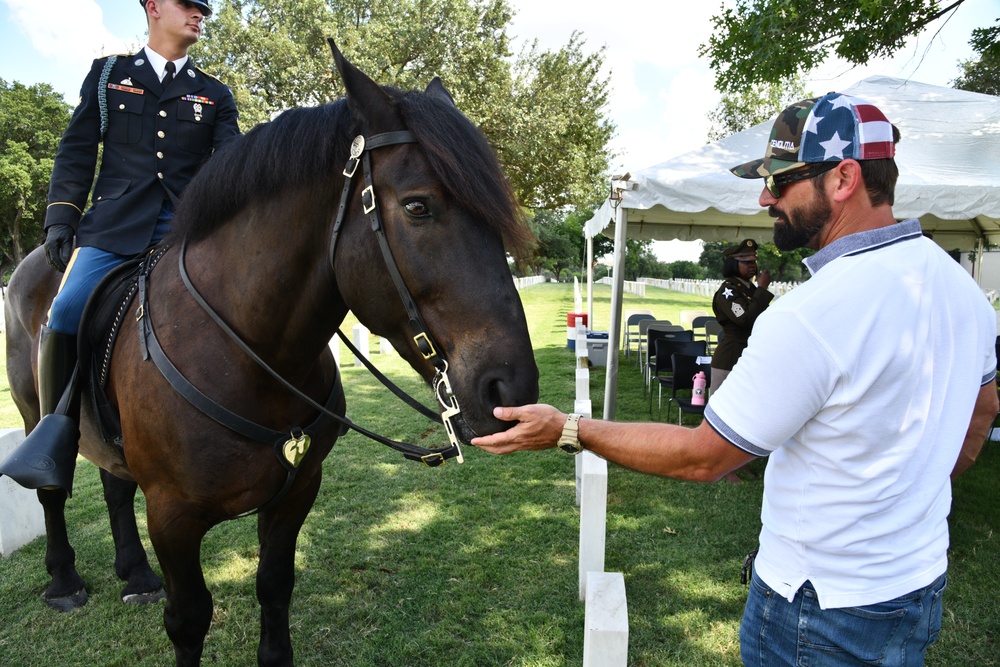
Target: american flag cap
{"points": [[831, 128]]}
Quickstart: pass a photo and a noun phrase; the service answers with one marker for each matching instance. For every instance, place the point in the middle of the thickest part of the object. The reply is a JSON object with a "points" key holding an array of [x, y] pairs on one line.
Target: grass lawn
{"points": [[403, 565]]}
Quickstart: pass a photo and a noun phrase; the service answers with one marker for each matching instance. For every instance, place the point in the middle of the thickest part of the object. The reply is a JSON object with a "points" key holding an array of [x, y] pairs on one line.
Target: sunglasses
{"points": [[775, 183]]}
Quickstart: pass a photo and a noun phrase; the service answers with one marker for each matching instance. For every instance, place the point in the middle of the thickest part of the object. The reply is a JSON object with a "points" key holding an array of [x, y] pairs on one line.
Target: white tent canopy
{"points": [[949, 164], [949, 178]]}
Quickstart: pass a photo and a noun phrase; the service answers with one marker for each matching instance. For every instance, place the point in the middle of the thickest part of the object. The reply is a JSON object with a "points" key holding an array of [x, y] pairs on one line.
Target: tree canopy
{"points": [[32, 120], [772, 40], [543, 111], [742, 109]]}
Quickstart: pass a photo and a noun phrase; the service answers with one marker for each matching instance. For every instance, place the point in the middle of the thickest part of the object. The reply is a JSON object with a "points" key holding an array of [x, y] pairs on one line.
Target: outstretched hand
{"points": [[539, 427]]}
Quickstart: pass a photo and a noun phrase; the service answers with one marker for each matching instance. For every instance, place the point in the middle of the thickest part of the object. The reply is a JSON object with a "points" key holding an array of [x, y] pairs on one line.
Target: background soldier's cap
{"points": [[744, 251], [203, 6], [831, 128]]}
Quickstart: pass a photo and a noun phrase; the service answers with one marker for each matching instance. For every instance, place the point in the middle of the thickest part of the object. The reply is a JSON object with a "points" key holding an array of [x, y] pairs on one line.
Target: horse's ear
{"points": [[436, 89], [365, 97]]}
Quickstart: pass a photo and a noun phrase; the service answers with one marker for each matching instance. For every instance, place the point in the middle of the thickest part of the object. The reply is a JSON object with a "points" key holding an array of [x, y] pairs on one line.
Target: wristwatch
{"points": [[570, 441]]}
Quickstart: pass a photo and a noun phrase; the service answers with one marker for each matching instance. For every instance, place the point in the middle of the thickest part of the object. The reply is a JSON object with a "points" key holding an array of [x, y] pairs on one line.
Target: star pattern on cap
{"points": [[812, 124], [834, 146], [841, 102]]}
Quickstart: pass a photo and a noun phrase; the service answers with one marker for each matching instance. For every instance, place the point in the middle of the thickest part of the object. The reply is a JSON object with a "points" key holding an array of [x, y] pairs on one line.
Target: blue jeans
{"points": [[86, 269], [896, 633]]}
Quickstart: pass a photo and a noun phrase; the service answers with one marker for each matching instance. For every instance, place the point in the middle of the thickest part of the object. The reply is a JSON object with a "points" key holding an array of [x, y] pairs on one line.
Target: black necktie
{"points": [[169, 76]]}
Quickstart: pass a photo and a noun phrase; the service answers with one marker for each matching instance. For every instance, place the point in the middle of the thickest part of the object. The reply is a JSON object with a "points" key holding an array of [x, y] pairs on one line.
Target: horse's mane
{"points": [[305, 146]]}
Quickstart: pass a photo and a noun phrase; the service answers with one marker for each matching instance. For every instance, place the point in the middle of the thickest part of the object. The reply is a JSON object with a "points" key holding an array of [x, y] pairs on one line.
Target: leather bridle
{"points": [[361, 153], [291, 447]]}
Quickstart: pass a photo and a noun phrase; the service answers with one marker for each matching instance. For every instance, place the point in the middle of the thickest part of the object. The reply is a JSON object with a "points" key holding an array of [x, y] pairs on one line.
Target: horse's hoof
{"points": [[144, 598], [68, 602]]}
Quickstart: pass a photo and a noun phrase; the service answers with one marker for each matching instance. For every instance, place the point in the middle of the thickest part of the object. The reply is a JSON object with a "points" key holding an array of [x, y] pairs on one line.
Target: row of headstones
{"points": [[605, 640]]}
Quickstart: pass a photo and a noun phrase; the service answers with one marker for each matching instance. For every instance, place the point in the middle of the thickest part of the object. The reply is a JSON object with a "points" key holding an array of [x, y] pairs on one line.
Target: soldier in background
{"points": [[736, 305]]}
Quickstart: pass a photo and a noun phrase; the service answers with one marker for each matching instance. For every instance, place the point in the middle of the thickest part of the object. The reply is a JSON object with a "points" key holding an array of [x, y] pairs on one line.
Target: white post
{"points": [[335, 348], [360, 336], [384, 346], [21, 516], [593, 516], [590, 281], [584, 408], [605, 638]]}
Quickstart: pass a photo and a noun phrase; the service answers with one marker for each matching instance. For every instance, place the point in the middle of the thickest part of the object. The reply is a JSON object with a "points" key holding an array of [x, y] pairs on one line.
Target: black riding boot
{"points": [[47, 457]]}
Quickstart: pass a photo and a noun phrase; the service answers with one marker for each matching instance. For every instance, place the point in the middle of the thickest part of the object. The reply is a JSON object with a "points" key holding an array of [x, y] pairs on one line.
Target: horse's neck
{"points": [[269, 278]]}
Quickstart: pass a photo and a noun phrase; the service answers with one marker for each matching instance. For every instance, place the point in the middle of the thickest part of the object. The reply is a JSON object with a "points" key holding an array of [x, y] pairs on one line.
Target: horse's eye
{"points": [[417, 209]]}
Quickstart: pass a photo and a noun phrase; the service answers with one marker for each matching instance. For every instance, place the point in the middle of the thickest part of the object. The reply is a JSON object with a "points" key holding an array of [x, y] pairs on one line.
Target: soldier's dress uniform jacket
{"points": [[154, 142], [736, 305]]}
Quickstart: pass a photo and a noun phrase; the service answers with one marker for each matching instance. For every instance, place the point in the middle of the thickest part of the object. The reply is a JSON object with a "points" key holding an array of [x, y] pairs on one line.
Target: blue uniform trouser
{"points": [[86, 268], [896, 633]]}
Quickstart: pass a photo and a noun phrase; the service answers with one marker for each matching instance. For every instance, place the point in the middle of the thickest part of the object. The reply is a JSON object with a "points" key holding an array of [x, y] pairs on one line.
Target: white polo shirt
{"points": [[860, 384]]}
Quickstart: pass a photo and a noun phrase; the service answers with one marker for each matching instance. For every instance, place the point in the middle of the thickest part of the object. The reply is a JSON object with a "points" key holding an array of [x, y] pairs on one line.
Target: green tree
{"points": [[744, 108], [711, 258], [686, 269], [559, 243], [982, 74], [640, 261], [785, 266], [542, 111], [32, 120], [771, 40]]}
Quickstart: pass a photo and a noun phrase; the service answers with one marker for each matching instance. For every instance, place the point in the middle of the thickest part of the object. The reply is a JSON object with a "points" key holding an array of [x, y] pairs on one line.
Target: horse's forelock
{"points": [[466, 164]]}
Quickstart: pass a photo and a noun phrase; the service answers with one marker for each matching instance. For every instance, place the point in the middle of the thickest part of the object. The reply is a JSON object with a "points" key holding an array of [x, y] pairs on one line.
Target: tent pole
{"points": [[590, 280], [614, 332], [979, 261]]}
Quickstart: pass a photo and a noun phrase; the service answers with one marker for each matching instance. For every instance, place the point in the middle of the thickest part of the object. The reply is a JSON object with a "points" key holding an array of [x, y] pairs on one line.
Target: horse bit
{"points": [[290, 451]]}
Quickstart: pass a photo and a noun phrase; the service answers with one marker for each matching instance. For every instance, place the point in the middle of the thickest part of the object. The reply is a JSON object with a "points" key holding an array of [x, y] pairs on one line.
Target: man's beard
{"points": [[802, 226]]}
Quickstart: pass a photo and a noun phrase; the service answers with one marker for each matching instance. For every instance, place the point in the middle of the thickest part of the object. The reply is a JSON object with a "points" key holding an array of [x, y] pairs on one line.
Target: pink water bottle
{"points": [[698, 392]]}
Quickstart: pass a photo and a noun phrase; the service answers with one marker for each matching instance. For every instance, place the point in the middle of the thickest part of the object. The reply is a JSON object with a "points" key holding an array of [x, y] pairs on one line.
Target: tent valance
{"points": [[948, 157]]}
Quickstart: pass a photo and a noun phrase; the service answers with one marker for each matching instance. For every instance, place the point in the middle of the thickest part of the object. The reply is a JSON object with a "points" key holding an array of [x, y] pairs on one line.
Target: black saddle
{"points": [[108, 306]]}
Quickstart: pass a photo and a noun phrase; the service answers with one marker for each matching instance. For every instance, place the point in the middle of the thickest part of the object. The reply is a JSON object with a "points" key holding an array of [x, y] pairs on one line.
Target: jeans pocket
{"points": [[863, 633]]}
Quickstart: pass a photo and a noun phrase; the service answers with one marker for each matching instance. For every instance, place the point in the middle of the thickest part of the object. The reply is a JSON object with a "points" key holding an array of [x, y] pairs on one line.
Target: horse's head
{"points": [[446, 208]]}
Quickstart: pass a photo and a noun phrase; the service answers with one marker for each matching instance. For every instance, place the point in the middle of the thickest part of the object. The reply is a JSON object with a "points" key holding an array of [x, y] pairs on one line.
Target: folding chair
{"points": [[685, 367], [663, 369], [698, 326], [713, 334], [632, 320], [655, 333]]}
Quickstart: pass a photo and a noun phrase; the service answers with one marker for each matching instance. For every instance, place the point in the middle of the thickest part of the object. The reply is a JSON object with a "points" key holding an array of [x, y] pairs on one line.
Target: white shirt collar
{"points": [[159, 63]]}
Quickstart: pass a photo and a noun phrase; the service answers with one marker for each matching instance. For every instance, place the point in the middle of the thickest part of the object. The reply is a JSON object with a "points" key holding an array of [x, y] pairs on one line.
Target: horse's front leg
{"points": [[176, 534], [131, 564], [66, 591], [277, 531]]}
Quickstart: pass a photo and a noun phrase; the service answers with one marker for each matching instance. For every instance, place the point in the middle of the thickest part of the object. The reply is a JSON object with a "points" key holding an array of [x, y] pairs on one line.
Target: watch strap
{"points": [[569, 441]]}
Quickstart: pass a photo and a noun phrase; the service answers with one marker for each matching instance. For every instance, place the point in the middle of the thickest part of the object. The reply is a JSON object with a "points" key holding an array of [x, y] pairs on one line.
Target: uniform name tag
{"points": [[198, 98], [127, 89]]}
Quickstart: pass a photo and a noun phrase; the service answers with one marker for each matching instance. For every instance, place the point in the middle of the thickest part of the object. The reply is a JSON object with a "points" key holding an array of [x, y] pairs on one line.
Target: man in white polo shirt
{"points": [[864, 428]]}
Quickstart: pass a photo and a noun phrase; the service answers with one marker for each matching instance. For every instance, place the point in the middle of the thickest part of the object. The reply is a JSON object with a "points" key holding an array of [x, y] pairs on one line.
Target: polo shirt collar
{"points": [[862, 242]]}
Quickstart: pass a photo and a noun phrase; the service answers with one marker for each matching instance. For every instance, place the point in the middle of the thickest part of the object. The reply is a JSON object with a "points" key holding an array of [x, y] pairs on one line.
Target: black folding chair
{"points": [[663, 369], [686, 366]]}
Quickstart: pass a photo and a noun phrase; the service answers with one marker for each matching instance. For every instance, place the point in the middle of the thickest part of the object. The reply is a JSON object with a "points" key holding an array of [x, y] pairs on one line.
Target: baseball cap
{"points": [[206, 11], [830, 128]]}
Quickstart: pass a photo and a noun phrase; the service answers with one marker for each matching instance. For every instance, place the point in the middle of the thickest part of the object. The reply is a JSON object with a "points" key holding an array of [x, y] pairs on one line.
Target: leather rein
{"points": [[291, 446]]}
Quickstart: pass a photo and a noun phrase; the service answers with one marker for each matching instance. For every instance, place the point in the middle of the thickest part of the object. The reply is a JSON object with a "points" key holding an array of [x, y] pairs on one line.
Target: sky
{"points": [[662, 91]]}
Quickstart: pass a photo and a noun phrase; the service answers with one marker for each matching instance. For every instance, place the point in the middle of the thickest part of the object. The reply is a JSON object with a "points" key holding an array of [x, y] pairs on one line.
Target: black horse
{"points": [[273, 245]]}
